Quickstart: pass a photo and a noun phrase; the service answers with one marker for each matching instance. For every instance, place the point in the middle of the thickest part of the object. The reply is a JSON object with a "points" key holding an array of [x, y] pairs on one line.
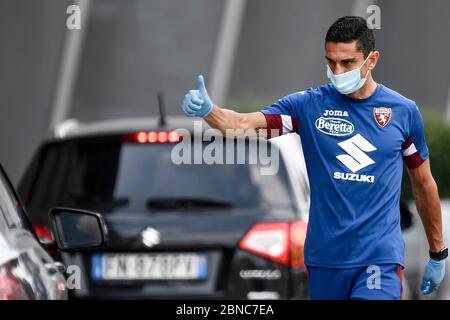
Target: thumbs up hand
{"points": [[197, 103]]}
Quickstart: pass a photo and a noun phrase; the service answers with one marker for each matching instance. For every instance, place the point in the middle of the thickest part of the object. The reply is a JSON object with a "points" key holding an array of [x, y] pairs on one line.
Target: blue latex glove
{"points": [[197, 102], [433, 276]]}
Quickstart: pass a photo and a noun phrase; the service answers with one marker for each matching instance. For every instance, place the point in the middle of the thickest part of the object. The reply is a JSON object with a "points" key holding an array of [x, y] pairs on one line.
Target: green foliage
{"points": [[437, 133], [249, 103]]}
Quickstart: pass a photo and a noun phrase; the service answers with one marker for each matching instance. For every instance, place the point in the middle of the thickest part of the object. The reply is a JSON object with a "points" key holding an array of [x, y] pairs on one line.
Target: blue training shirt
{"points": [[354, 152]]}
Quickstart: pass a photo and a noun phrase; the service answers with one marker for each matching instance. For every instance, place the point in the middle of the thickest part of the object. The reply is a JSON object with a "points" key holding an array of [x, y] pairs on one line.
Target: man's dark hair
{"points": [[350, 28]]}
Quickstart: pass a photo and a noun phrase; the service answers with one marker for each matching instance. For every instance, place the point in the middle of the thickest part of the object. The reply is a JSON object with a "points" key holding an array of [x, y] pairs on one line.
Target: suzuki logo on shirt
{"points": [[355, 159]]}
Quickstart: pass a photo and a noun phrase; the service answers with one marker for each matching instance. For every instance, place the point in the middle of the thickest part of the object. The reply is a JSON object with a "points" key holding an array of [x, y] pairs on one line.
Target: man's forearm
{"points": [[428, 205], [222, 119], [238, 123]]}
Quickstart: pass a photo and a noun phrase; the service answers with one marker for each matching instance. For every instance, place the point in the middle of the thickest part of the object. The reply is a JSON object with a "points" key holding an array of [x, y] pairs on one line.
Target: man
{"points": [[355, 134]]}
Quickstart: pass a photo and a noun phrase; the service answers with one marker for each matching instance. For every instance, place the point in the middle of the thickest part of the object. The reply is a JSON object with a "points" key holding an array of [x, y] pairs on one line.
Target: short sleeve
{"points": [[415, 150], [281, 116]]}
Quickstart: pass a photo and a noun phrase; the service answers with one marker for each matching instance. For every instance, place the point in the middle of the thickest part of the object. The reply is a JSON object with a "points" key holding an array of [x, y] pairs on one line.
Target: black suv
{"points": [[174, 230]]}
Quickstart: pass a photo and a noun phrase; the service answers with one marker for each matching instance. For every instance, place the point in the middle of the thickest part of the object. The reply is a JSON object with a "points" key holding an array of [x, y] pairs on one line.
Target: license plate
{"points": [[156, 266]]}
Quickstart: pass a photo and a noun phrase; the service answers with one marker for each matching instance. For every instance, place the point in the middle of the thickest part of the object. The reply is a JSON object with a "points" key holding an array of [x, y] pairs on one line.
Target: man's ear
{"points": [[373, 59]]}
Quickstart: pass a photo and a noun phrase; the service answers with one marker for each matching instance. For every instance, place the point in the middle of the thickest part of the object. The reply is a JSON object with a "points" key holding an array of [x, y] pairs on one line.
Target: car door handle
{"points": [[55, 267]]}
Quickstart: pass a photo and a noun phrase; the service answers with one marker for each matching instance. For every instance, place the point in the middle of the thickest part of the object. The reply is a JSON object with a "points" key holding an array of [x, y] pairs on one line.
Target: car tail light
{"points": [[153, 137], [43, 233], [281, 242], [269, 240], [10, 288], [297, 243]]}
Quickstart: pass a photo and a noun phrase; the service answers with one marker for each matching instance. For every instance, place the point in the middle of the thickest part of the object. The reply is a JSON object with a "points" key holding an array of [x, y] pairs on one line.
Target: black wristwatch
{"points": [[441, 255]]}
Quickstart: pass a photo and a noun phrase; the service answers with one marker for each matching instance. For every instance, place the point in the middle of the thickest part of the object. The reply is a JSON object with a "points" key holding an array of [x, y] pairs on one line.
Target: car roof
{"points": [[73, 128], [289, 145]]}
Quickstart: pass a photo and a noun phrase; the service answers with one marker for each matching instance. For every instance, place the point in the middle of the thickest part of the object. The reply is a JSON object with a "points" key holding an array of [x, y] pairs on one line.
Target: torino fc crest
{"points": [[382, 116]]}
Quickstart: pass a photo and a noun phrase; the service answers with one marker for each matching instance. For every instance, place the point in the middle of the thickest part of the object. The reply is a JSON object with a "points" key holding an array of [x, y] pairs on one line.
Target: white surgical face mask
{"points": [[348, 82]]}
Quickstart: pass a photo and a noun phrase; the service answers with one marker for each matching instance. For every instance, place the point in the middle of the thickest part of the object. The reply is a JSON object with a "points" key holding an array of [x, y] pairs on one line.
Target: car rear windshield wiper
{"points": [[181, 203], [105, 204]]}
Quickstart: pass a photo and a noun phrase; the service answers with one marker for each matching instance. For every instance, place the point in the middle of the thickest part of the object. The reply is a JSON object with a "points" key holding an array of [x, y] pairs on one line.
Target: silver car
{"points": [[27, 272]]}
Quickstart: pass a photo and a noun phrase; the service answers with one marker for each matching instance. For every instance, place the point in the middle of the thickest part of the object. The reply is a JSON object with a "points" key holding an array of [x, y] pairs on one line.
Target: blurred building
{"points": [[134, 48]]}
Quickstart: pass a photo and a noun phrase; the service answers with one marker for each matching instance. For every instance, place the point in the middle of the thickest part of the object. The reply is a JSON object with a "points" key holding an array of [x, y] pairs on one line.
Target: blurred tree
{"points": [[438, 139]]}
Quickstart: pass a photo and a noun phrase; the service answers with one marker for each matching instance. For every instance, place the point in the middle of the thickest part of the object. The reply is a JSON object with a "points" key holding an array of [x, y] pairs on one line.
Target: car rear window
{"points": [[108, 175]]}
